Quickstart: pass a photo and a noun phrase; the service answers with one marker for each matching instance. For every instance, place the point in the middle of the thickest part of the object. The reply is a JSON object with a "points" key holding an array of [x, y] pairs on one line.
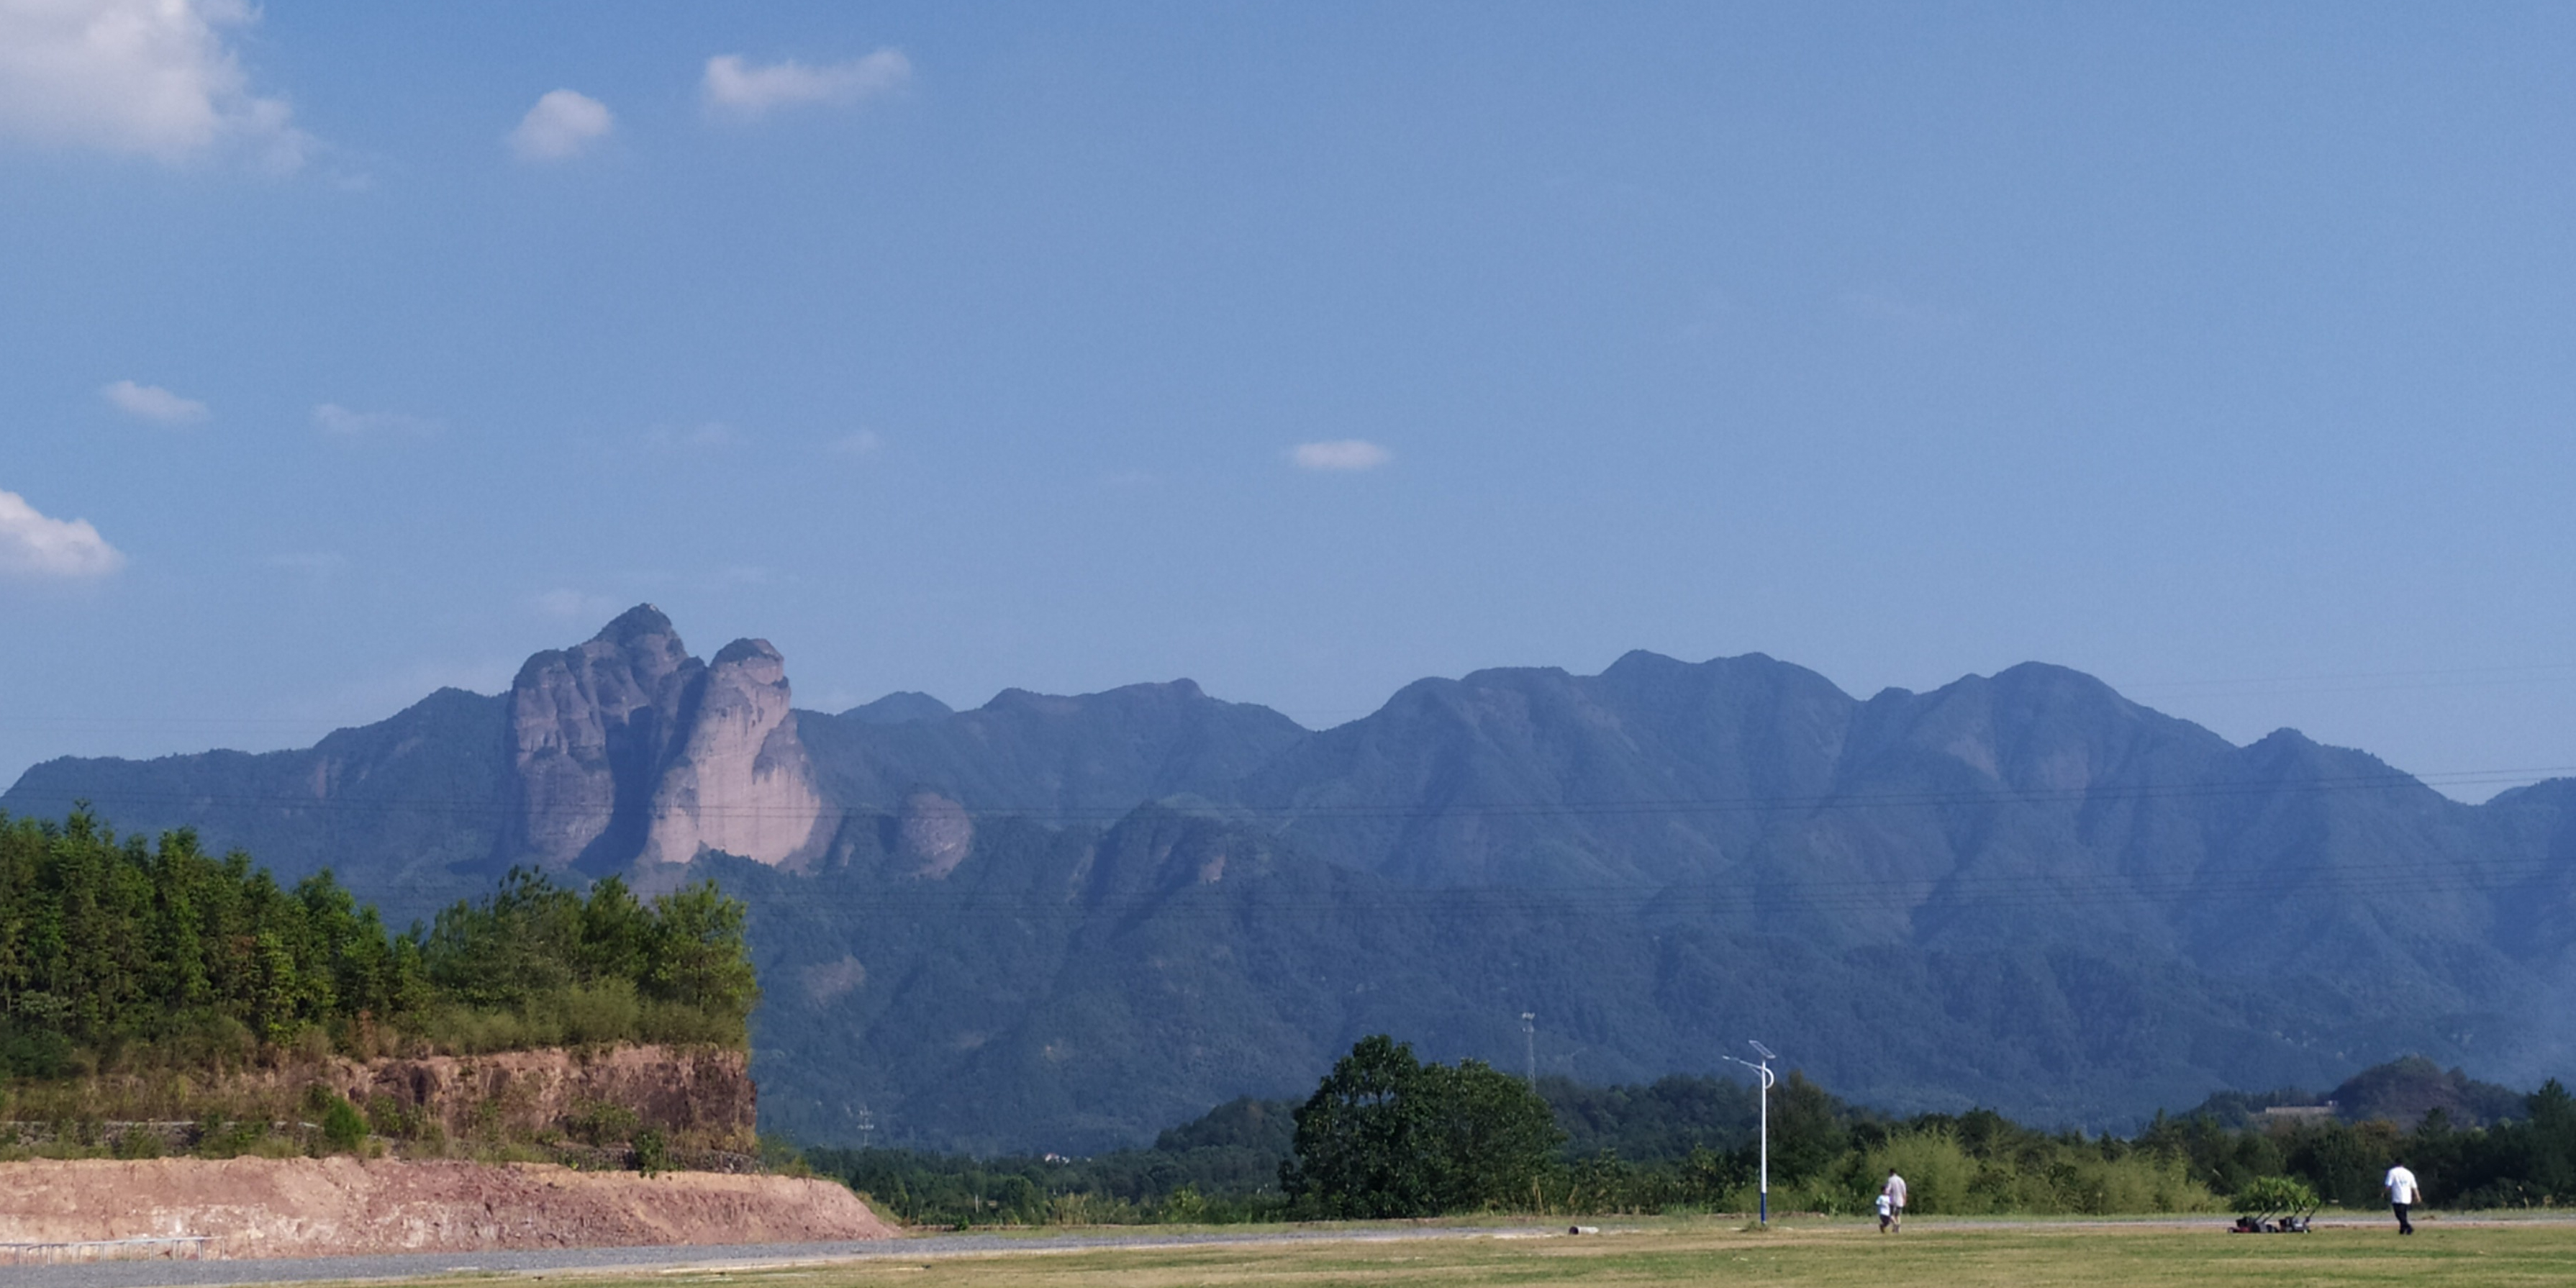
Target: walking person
{"points": [[1886, 1213], [1892, 1194], [2402, 1194]]}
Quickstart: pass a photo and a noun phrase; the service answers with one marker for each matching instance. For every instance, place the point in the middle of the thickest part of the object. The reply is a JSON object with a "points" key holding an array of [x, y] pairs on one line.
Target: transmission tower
{"points": [[1529, 1039]]}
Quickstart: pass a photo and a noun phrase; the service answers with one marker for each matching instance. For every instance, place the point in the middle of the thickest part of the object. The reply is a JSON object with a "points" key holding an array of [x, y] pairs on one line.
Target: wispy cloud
{"points": [[863, 443], [154, 403], [561, 126], [37, 547], [154, 78], [334, 419], [741, 90], [1341, 455]]}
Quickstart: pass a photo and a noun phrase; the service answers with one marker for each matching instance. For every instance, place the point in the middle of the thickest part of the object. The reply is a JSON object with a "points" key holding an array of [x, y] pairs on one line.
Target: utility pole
{"points": [[1529, 1037], [1764, 1069]]}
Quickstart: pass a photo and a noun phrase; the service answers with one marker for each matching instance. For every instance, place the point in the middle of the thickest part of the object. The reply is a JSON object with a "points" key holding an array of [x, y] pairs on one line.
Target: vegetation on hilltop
{"points": [[118, 952]]}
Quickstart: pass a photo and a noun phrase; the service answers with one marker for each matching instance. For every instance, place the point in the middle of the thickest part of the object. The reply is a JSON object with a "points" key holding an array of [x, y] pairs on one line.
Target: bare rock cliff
{"points": [[741, 782], [627, 754], [587, 724]]}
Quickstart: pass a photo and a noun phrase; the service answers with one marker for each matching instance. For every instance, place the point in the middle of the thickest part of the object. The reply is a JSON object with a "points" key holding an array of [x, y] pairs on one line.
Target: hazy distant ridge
{"points": [[976, 927]]}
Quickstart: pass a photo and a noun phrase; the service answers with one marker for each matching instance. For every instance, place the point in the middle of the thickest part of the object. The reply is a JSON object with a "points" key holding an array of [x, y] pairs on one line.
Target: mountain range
{"points": [[1065, 922]]}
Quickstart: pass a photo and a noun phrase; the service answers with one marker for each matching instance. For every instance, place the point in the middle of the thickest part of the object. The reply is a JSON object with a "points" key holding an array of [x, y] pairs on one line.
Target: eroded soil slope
{"points": [[253, 1207]]}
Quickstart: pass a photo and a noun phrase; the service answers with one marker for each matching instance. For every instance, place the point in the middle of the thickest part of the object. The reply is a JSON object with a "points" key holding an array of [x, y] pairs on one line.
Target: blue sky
{"points": [[1303, 350]]}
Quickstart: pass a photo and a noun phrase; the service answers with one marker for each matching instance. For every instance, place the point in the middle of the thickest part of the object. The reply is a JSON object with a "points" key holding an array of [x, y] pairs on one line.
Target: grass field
{"points": [[1705, 1252]]}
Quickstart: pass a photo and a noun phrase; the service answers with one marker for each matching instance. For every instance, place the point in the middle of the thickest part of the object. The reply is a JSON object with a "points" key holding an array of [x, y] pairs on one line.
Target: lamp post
{"points": [[1764, 1069]]}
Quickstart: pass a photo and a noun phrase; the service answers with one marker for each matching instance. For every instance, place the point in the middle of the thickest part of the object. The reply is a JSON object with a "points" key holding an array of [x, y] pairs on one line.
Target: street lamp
{"points": [[1764, 1069]]}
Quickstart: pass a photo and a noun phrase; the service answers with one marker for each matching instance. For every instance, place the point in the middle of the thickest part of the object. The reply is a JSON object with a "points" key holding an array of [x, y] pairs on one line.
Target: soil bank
{"points": [[302, 1207]]}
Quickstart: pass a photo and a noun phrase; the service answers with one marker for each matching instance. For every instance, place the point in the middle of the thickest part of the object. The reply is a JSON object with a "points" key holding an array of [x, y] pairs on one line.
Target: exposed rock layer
{"points": [[306, 1207], [703, 1094]]}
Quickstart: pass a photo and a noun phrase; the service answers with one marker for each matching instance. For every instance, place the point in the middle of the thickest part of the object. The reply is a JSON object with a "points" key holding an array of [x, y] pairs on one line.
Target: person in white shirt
{"points": [[1886, 1213], [1893, 1194], [2402, 1193]]}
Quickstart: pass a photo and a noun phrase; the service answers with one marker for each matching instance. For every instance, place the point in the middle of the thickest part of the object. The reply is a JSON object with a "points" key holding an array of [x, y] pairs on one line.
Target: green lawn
{"points": [[1699, 1253]]}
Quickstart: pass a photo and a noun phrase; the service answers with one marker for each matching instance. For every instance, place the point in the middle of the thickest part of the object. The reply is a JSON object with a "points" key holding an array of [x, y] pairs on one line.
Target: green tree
{"points": [[1385, 1135], [1808, 1133], [694, 951], [1491, 1135], [111, 946], [1360, 1146]]}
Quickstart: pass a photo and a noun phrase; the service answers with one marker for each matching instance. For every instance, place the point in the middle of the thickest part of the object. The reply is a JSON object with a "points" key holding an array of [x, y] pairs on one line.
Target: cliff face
{"points": [[589, 727], [627, 752], [740, 782], [701, 1095]]}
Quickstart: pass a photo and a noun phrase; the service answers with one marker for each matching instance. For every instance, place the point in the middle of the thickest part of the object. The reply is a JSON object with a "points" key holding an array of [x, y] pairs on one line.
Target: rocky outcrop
{"points": [[628, 754], [702, 1095], [933, 834], [590, 729], [740, 782]]}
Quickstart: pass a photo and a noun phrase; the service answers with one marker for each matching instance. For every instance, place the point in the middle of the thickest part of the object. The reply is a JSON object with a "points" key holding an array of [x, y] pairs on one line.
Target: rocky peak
{"points": [[585, 720], [741, 782], [626, 748], [643, 622]]}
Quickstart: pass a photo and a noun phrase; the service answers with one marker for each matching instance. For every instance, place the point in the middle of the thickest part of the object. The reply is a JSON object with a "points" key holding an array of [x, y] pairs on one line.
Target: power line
{"points": [[1705, 899], [1296, 811]]}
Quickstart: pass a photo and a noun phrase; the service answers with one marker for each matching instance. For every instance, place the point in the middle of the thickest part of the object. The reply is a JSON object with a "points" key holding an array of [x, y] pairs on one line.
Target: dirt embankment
{"points": [[700, 1093], [697, 1097], [303, 1207]]}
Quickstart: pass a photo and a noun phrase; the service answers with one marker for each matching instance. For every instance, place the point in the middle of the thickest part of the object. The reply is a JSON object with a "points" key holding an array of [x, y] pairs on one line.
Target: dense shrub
{"points": [[118, 951]]}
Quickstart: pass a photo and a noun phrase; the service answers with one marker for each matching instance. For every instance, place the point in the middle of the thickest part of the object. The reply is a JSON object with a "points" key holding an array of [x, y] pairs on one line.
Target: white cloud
{"points": [[863, 443], [744, 91], [1345, 455], [32, 545], [143, 77], [560, 126], [154, 403], [332, 418]]}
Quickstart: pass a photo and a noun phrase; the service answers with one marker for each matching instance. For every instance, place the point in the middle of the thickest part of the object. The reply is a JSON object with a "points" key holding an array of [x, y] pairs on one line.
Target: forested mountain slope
{"points": [[1060, 922]]}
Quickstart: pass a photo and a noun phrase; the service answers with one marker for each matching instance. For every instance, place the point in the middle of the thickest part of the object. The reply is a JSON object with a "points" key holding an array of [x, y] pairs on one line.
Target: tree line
{"points": [[115, 950], [1387, 1135]]}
